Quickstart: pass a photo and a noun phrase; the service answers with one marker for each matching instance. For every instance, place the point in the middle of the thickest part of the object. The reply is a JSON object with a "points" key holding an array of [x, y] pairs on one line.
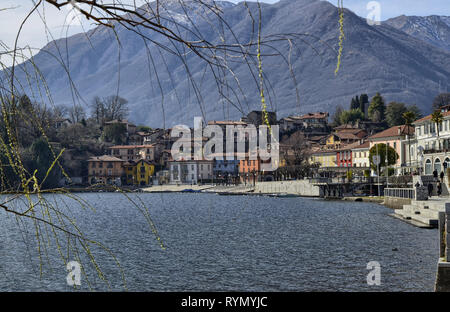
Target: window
{"points": [[428, 170], [100, 165], [93, 164]]}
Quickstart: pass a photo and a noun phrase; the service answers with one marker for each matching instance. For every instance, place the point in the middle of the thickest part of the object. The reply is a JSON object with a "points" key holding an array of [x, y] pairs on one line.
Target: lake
{"points": [[221, 243]]}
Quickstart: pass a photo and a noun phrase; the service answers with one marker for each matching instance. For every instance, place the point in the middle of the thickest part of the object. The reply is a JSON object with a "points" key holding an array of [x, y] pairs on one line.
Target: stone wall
{"points": [[443, 272], [299, 187], [396, 203]]}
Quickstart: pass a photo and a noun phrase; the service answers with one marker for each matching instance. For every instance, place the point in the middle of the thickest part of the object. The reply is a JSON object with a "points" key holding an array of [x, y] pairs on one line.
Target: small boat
{"points": [[190, 191]]}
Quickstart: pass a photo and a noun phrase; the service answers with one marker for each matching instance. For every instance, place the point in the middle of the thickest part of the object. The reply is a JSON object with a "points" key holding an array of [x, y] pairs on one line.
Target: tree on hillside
{"points": [[42, 161], [351, 116], [115, 133], [355, 104], [76, 113], [442, 99], [394, 114], [109, 108], [377, 108], [336, 119]]}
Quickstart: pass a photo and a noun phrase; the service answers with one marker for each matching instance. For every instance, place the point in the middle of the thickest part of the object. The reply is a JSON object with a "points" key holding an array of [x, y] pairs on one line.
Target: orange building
{"points": [[250, 170], [105, 169]]}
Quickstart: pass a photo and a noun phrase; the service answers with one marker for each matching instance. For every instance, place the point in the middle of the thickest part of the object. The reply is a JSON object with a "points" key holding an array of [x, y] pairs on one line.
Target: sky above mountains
{"points": [[36, 35]]}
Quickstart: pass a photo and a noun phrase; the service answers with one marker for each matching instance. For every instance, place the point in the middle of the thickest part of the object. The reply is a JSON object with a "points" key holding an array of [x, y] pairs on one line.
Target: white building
{"points": [[427, 151], [191, 171], [360, 155]]}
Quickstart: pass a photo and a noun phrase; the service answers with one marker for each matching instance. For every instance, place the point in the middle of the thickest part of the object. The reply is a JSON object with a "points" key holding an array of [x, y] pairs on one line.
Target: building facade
{"points": [[139, 173], [325, 158], [394, 137], [360, 155], [428, 151], [105, 169], [191, 171], [149, 152]]}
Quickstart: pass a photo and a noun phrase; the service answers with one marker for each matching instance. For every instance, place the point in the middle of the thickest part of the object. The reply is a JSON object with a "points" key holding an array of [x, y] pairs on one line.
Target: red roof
{"points": [[105, 158], [355, 145], [393, 132], [429, 117], [131, 146]]}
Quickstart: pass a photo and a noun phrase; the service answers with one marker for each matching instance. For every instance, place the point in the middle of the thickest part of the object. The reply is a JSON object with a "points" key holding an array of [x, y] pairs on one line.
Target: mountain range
{"points": [[406, 59]]}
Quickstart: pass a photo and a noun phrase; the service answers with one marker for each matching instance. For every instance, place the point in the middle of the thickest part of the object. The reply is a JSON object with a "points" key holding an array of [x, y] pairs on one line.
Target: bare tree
{"points": [[77, 113]]}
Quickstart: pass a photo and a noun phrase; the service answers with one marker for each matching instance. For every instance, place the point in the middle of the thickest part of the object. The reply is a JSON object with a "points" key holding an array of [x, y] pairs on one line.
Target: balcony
{"points": [[436, 151]]}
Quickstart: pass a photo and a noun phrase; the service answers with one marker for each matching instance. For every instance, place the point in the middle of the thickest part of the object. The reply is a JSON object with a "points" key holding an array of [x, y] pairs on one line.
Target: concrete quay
{"points": [[303, 188], [423, 213]]}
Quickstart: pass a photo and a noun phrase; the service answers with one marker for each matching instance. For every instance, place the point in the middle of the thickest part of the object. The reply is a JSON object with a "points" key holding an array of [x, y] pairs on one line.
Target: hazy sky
{"points": [[34, 34]]}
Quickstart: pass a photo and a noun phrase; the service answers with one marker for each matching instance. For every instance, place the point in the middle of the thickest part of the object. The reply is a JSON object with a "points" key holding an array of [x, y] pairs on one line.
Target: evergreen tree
{"points": [[355, 103], [377, 108], [394, 114]]}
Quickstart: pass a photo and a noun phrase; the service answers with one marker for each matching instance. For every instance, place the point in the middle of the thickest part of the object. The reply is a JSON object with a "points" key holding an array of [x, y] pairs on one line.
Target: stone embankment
{"points": [[422, 213], [302, 188]]}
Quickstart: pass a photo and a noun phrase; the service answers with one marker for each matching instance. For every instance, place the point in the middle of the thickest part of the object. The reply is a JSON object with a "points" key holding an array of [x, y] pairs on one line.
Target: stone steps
{"points": [[426, 212]]}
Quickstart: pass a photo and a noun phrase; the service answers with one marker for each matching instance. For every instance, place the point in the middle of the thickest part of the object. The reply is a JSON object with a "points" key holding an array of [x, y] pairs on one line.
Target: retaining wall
{"points": [[299, 187]]}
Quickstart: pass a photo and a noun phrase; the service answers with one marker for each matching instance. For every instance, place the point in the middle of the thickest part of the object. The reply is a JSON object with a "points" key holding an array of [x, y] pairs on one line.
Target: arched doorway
{"points": [[437, 165], [428, 168], [446, 163]]}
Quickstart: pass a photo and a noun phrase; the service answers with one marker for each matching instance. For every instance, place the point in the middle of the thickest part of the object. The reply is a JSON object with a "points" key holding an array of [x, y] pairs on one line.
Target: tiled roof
{"points": [[346, 126], [393, 132], [366, 144], [122, 121], [445, 114], [347, 136], [131, 146], [356, 145], [227, 122], [318, 115], [105, 158]]}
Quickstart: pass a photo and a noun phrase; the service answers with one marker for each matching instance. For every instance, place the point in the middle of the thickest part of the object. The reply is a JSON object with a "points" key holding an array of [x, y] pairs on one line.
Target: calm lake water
{"points": [[225, 243]]}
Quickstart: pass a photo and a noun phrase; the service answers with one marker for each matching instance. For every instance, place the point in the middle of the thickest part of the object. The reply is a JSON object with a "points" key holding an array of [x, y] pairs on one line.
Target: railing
{"points": [[409, 193], [435, 151]]}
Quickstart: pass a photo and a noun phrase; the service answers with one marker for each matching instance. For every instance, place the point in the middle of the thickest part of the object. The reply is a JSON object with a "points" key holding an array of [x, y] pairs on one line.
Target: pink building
{"points": [[394, 137]]}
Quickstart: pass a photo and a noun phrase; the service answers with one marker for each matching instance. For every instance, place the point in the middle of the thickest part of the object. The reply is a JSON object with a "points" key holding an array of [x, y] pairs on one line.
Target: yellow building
{"points": [[139, 173], [333, 140], [326, 159]]}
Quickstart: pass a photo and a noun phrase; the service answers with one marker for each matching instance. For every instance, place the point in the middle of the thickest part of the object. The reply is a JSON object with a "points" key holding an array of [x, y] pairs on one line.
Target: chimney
{"points": [[399, 130]]}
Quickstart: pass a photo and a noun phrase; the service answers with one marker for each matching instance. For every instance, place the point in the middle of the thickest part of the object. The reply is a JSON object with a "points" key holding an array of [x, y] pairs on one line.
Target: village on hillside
{"points": [[311, 146]]}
